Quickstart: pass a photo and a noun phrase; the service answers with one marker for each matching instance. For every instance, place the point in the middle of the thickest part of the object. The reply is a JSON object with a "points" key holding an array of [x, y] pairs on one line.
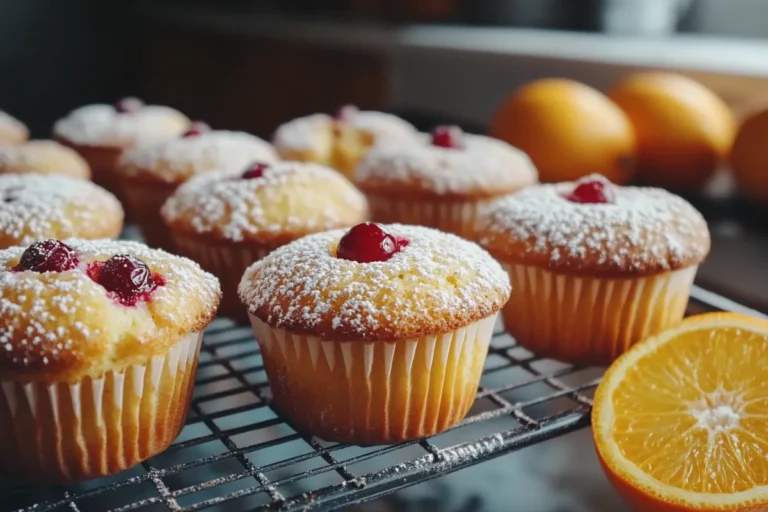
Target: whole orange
{"points": [[749, 157], [684, 130], [568, 129]]}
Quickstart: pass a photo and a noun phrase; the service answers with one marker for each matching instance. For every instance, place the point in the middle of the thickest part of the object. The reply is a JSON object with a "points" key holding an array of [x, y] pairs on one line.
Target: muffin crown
{"points": [[43, 157], [642, 231], [435, 284], [483, 167], [12, 131], [290, 200], [177, 160], [58, 326], [35, 206], [103, 125], [306, 133]]}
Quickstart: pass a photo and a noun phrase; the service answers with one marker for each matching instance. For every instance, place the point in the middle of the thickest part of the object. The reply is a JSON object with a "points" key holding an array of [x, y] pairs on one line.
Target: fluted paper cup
{"points": [[458, 217], [66, 432], [591, 320], [370, 393], [227, 262]]}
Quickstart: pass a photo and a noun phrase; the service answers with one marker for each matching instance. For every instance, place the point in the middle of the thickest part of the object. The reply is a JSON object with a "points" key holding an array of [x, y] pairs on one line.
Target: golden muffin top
{"points": [[430, 283], [121, 126], [37, 206], [314, 132], [176, 160], [594, 227], [269, 204], [447, 164], [81, 308], [43, 157], [12, 131]]}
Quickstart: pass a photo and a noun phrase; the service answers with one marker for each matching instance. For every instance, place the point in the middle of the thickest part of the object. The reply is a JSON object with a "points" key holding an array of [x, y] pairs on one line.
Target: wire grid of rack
{"points": [[236, 454]]}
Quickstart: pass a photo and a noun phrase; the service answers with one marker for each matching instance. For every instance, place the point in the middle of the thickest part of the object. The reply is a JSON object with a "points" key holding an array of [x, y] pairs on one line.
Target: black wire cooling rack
{"points": [[237, 454]]}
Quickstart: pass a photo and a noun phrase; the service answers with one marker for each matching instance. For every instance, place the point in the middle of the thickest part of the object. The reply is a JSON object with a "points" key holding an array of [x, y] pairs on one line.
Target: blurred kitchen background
{"points": [[252, 64]]}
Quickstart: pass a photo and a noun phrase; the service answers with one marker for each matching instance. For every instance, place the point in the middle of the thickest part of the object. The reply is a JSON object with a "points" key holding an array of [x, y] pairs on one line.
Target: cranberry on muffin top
{"points": [[176, 160], [74, 308], [596, 227], [448, 164], [391, 283], [125, 124], [266, 203]]}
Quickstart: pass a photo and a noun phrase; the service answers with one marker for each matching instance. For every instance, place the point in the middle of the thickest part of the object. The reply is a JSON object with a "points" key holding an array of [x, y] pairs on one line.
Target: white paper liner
{"points": [[143, 202], [590, 320], [228, 263], [458, 217], [65, 432], [374, 392]]}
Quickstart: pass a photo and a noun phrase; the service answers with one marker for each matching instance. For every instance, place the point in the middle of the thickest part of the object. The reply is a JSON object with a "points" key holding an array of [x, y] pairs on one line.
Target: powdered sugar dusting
{"points": [[103, 125], [181, 158], [484, 164], [290, 197], [381, 124], [43, 156], [8, 122], [645, 229], [34, 206], [305, 133], [46, 318], [437, 283]]}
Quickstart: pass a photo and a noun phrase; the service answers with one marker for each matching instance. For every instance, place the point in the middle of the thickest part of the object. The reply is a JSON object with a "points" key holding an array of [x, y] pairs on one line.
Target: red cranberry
{"points": [[592, 191], [197, 128], [346, 113], [368, 242], [48, 256], [127, 278], [256, 170], [129, 105], [451, 137], [401, 241]]}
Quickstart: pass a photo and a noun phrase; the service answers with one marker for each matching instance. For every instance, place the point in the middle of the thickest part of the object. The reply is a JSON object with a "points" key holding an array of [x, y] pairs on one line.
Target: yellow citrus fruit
{"points": [[568, 129], [749, 156], [680, 421], [683, 130]]}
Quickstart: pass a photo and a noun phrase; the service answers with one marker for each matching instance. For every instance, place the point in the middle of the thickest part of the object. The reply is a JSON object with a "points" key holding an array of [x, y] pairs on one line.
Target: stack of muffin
{"points": [[371, 260]]}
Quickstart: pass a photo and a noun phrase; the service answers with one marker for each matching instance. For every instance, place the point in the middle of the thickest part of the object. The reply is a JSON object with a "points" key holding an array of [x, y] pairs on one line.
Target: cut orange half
{"points": [[681, 420]]}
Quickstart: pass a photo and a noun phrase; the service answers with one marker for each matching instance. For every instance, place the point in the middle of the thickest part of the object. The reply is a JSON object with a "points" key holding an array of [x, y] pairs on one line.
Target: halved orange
{"points": [[680, 421]]}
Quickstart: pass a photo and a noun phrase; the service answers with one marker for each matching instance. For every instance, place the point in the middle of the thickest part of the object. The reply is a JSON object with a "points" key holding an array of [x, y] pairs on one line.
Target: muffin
{"points": [[100, 133], [338, 141], [377, 335], [443, 181], [150, 173], [43, 157], [226, 221], [35, 207], [595, 267], [98, 351], [12, 131]]}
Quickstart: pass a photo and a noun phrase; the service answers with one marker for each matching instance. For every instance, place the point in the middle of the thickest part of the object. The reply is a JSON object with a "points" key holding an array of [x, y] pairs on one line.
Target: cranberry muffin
{"points": [[150, 173], [98, 351], [43, 157], [377, 334], [596, 267], [100, 133], [338, 141], [226, 221], [12, 131], [444, 181], [35, 207]]}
